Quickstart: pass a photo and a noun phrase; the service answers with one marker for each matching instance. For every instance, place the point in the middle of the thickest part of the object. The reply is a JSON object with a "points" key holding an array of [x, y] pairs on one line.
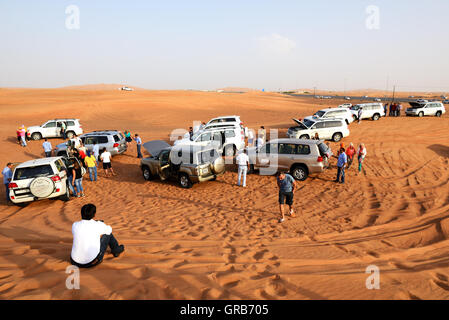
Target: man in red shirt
{"points": [[350, 152]]}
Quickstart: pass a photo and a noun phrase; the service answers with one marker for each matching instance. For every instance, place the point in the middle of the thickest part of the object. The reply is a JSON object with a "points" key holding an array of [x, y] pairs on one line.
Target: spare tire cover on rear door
{"points": [[218, 165], [42, 187]]}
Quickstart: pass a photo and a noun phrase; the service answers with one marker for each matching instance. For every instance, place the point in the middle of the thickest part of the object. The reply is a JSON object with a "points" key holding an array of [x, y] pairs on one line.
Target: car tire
{"points": [[42, 187], [299, 172], [66, 196], [36, 136], [376, 117], [146, 172], [184, 181], [438, 114], [354, 117], [304, 136], [229, 151], [337, 136], [421, 114], [70, 134]]}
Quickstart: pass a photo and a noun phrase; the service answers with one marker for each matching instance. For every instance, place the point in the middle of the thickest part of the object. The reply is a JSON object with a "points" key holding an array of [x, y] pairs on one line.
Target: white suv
{"points": [[342, 113], [425, 109], [52, 129], [369, 111], [40, 179], [226, 138], [327, 129]]}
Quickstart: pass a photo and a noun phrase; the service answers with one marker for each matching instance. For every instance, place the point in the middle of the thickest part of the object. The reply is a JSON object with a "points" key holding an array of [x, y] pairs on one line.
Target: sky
{"points": [[205, 45]]}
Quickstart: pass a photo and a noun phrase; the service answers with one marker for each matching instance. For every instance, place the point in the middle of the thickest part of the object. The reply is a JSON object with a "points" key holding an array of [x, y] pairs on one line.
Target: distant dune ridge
{"points": [[220, 241]]}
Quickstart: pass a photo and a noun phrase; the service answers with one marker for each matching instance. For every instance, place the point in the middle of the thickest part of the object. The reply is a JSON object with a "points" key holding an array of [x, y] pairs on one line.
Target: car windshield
{"points": [[308, 123], [33, 172], [195, 135], [319, 114], [355, 107]]}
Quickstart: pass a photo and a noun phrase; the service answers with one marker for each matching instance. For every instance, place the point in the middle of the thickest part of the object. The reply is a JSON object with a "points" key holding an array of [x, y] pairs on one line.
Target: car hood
{"points": [[416, 105], [155, 147], [302, 125]]}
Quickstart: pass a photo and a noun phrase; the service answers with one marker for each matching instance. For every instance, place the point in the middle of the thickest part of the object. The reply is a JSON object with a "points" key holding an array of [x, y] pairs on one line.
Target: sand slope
{"points": [[217, 240]]}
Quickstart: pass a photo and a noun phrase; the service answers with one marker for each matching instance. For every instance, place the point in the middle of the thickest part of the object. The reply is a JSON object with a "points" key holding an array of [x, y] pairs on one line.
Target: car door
{"points": [[49, 129], [319, 128], [218, 140], [204, 139], [164, 165], [58, 128], [286, 155], [429, 109], [89, 142], [267, 159]]}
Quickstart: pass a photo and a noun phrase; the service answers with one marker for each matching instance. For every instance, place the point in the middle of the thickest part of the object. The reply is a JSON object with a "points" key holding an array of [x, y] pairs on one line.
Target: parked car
{"points": [[226, 138], [298, 156], [369, 111], [52, 129], [377, 99], [446, 102], [327, 129], [186, 164], [347, 98], [341, 113], [345, 105], [38, 179], [113, 140], [425, 109], [126, 89]]}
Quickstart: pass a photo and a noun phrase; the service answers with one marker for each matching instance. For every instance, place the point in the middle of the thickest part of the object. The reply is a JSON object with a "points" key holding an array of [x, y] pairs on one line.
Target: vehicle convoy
{"points": [[327, 129], [188, 164], [426, 109], [341, 113], [52, 129], [226, 138], [38, 179], [298, 156], [372, 111], [113, 140]]}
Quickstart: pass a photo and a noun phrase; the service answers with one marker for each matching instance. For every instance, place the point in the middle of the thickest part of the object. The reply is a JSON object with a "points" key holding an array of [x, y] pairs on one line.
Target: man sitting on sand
{"points": [[91, 238]]}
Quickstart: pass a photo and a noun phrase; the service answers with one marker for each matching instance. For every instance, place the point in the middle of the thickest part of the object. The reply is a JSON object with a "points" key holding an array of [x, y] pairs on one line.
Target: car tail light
{"points": [[28, 134], [12, 185], [57, 190], [12, 197], [320, 159], [56, 178], [115, 145]]}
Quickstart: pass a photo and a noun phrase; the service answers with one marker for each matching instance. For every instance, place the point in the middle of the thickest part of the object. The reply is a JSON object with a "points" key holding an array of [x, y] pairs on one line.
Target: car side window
{"points": [[89, 140], [229, 134], [205, 137], [164, 156], [59, 165], [287, 148], [303, 149], [116, 138], [333, 124], [318, 125], [270, 148], [50, 125], [102, 139]]}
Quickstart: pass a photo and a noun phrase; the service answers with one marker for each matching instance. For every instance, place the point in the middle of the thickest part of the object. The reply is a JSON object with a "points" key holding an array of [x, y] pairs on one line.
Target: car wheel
{"points": [[229, 151], [66, 196], [421, 114], [376, 117], [347, 122], [70, 135], [354, 117], [304, 136], [438, 114], [336, 137], [184, 181], [299, 172], [36, 136], [146, 172]]}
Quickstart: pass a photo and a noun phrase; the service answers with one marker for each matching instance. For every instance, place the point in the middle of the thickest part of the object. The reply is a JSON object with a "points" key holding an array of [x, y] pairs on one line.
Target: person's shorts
{"points": [[286, 197], [107, 165], [128, 139]]}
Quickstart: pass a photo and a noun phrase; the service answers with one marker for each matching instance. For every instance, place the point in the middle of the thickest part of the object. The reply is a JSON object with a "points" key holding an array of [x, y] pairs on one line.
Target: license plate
{"points": [[19, 192]]}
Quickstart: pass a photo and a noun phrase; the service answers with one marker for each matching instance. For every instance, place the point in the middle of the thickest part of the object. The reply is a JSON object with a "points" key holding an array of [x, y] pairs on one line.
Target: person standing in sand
{"points": [[139, 145], [7, 176], [361, 154], [106, 159], [91, 163], [359, 114], [91, 238], [47, 148], [341, 164], [96, 151], [243, 163], [23, 133], [250, 137], [350, 152], [287, 186]]}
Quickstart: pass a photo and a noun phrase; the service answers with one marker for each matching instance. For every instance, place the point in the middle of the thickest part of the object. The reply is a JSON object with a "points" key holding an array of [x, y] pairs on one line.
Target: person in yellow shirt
{"points": [[91, 164]]}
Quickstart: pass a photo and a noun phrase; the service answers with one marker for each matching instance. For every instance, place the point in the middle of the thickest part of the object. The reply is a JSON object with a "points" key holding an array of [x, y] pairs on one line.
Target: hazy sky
{"points": [[213, 44]]}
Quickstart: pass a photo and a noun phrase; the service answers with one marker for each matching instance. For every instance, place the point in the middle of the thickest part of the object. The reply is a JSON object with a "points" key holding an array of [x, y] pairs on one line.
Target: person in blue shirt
{"points": [[139, 145], [287, 185], [47, 148], [341, 164], [7, 176]]}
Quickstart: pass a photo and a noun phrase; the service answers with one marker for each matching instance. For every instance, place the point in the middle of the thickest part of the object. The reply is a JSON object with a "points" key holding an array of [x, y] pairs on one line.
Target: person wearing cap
{"points": [[91, 163]]}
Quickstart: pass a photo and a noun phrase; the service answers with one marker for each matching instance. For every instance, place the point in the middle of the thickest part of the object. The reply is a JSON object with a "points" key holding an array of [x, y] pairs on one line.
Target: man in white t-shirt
{"points": [[91, 238], [76, 141], [242, 160], [105, 157]]}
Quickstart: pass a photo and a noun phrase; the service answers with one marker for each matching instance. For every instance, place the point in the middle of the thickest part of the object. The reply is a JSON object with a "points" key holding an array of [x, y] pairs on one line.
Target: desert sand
{"points": [[220, 241]]}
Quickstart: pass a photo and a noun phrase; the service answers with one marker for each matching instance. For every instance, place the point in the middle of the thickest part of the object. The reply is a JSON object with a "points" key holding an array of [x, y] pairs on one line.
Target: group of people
{"points": [[395, 109], [22, 135], [258, 141], [345, 158]]}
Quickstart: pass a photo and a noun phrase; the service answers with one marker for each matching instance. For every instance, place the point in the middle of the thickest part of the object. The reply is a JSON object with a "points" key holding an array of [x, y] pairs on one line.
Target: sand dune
{"points": [[219, 241]]}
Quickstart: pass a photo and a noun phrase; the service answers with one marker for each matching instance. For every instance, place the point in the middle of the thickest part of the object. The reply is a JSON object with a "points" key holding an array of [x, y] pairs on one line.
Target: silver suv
{"points": [[300, 157], [187, 164], [112, 140]]}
